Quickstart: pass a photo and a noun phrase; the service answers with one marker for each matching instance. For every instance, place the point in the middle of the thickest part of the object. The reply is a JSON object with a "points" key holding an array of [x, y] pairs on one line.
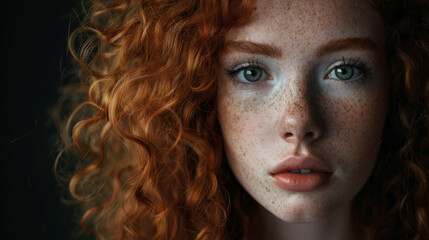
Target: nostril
{"points": [[309, 135], [288, 134]]}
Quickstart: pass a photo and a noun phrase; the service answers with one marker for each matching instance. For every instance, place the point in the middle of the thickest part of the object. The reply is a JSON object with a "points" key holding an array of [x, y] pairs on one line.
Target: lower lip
{"points": [[297, 182]]}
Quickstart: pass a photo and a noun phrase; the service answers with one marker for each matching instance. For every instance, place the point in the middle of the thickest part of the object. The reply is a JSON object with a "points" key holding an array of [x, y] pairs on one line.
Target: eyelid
{"points": [[346, 62], [237, 74], [241, 66], [354, 62], [237, 68]]}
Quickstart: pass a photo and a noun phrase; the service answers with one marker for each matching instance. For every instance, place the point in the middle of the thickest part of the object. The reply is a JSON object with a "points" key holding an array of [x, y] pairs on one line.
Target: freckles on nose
{"points": [[301, 121]]}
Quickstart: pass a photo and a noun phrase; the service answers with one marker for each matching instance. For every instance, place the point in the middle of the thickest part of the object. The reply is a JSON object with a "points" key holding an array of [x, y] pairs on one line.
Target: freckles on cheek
{"points": [[358, 122], [232, 125], [241, 125], [241, 113]]}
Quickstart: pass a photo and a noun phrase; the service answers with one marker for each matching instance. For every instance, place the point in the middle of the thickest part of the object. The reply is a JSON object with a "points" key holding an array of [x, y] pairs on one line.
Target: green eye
{"points": [[345, 73], [248, 73], [251, 74]]}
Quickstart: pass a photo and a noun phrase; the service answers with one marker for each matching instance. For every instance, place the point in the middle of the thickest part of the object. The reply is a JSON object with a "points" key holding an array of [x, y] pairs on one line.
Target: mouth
{"points": [[302, 171], [301, 174], [301, 165]]}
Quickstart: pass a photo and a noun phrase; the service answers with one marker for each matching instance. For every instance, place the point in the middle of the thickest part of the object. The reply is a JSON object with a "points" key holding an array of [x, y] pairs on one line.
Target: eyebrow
{"points": [[253, 48], [358, 43]]}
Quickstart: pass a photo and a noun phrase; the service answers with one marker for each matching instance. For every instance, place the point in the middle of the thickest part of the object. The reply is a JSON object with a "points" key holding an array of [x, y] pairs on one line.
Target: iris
{"points": [[344, 72], [252, 74]]}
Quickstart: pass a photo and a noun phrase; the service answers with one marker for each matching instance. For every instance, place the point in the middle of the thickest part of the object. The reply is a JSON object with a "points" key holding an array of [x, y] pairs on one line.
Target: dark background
{"points": [[34, 59]]}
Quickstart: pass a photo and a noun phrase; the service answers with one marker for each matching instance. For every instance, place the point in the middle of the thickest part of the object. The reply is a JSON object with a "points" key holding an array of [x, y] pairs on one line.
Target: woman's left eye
{"points": [[344, 73]]}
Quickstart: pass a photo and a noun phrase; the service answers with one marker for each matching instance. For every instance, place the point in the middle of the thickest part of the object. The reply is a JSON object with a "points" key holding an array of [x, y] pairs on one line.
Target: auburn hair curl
{"points": [[144, 147]]}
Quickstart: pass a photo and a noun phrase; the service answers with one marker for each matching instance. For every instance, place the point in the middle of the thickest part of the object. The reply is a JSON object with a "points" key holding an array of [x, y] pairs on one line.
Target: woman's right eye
{"points": [[249, 74]]}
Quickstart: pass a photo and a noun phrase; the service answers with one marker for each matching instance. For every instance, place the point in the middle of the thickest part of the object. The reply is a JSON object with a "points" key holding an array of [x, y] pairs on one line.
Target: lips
{"points": [[301, 174]]}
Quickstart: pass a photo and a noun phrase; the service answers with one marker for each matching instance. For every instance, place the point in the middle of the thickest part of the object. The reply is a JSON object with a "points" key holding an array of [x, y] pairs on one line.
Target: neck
{"points": [[337, 226]]}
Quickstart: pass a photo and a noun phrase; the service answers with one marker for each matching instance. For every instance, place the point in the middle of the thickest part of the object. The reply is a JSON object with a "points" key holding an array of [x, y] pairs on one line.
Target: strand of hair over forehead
{"points": [[147, 133]]}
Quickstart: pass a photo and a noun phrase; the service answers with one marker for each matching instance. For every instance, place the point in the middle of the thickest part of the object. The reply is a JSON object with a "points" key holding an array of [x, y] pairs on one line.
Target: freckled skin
{"points": [[264, 123]]}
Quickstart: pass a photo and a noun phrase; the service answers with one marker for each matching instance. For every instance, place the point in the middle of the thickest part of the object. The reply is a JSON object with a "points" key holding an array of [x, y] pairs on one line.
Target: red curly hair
{"points": [[145, 146]]}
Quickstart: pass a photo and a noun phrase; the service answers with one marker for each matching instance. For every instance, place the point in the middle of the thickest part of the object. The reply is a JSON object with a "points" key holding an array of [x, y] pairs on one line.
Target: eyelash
{"points": [[232, 72], [352, 62]]}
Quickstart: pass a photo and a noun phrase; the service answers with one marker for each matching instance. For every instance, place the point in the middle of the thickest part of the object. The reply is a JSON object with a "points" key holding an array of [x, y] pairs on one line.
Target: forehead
{"points": [[292, 24]]}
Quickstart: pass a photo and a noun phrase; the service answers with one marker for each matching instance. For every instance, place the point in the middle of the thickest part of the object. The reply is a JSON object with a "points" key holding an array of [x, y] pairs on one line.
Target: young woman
{"points": [[264, 119]]}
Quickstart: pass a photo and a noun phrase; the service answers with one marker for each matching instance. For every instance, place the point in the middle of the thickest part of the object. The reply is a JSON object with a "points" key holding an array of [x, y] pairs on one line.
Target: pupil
{"points": [[344, 73], [252, 74]]}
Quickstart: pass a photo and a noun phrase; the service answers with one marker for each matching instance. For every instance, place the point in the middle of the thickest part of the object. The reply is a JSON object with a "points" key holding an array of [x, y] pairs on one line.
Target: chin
{"points": [[304, 210]]}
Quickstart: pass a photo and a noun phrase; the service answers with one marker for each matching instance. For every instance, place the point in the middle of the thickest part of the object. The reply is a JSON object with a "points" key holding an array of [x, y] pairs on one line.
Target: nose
{"points": [[301, 122]]}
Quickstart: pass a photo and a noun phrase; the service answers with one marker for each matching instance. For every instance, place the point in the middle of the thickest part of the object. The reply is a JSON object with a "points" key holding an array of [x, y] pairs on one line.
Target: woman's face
{"points": [[304, 86]]}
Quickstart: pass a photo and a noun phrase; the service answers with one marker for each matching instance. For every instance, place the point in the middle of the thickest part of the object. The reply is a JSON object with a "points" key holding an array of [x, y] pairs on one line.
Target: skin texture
{"points": [[298, 111]]}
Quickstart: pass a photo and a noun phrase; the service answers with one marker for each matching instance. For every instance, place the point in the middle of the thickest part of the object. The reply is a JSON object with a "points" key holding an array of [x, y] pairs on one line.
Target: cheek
{"points": [[235, 122], [356, 128], [245, 120]]}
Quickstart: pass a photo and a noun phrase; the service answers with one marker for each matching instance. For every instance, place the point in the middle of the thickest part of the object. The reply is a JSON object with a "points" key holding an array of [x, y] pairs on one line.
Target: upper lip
{"points": [[294, 163]]}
